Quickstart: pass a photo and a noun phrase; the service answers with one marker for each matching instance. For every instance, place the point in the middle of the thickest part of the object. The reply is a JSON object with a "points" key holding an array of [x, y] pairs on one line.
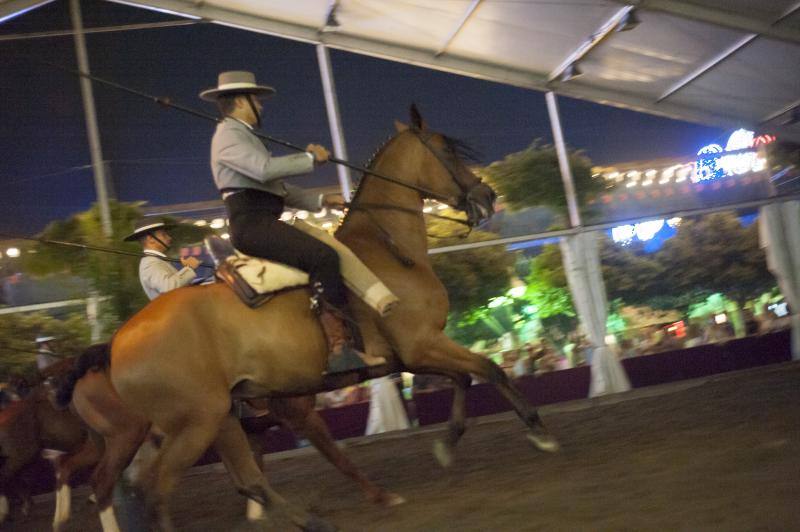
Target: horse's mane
{"points": [[463, 150], [369, 164]]}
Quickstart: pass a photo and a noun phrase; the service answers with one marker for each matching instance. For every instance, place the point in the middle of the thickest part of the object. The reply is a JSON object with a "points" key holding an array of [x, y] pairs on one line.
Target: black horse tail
{"points": [[96, 357]]}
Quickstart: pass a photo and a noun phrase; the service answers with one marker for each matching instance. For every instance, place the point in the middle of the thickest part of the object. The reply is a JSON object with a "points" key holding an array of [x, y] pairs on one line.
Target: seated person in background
{"points": [[626, 348], [523, 365], [750, 322], [509, 359], [717, 332], [669, 342], [694, 336], [548, 362]]}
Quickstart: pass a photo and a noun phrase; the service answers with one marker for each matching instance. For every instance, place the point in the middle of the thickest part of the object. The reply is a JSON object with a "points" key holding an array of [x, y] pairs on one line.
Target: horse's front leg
{"points": [[439, 352], [443, 449]]}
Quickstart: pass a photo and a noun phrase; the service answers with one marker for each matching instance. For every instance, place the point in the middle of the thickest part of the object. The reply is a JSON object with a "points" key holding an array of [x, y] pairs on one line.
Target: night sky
{"points": [[161, 156]]}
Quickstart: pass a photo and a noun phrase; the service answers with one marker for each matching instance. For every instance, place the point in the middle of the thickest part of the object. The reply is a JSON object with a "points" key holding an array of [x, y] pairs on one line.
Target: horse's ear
{"points": [[416, 119], [400, 127]]}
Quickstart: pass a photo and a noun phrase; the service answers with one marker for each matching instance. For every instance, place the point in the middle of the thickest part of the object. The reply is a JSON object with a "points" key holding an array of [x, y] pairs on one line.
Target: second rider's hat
{"points": [[144, 227]]}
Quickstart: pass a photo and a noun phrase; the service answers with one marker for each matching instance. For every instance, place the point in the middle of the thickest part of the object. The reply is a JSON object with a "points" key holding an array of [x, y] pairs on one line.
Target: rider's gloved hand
{"points": [[190, 262], [320, 153]]}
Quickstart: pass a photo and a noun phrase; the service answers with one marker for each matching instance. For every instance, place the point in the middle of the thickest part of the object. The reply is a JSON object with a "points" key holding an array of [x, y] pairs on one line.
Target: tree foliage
{"points": [[547, 288], [631, 274], [716, 253], [113, 276], [532, 177], [474, 276], [708, 255]]}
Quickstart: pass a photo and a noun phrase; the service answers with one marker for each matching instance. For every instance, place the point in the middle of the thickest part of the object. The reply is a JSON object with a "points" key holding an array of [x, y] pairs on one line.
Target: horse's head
{"points": [[445, 172]]}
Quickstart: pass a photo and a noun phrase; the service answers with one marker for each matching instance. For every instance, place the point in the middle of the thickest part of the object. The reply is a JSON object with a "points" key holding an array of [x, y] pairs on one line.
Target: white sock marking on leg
{"points": [[255, 511], [63, 499], [109, 520]]}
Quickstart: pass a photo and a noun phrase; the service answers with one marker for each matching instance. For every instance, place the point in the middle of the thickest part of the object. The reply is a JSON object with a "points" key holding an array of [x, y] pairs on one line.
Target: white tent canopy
{"points": [[718, 62]]}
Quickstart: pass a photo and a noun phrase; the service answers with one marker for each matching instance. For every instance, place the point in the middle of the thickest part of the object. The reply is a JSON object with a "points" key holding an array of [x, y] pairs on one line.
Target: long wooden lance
{"points": [[87, 247], [167, 102]]}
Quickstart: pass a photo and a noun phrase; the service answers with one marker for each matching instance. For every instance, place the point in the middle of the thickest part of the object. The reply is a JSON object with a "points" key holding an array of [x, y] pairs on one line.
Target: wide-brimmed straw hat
{"points": [[144, 227], [236, 82]]}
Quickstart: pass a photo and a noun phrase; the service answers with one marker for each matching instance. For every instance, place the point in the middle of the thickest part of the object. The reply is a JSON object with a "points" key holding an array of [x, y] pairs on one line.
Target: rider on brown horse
{"points": [[249, 179], [156, 273]]}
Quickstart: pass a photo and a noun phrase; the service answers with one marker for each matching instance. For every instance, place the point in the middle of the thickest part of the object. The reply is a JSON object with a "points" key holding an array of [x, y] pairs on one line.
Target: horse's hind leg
{"points": [[442, 353], [86, 455], [96, 402], [183, 444], [255, 511], [120, 449], [232, 447], [300, 415]]}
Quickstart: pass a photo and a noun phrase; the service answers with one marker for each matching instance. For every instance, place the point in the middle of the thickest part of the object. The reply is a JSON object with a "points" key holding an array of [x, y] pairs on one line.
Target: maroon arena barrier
{"points": [[565, 385]]}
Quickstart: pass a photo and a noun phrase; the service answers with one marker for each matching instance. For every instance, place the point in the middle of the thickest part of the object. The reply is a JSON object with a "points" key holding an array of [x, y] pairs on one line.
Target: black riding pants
{"points": [[256, 229]]}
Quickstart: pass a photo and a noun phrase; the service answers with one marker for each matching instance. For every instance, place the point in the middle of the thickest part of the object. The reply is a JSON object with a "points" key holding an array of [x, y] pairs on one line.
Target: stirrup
{"points": [[346, 361]]}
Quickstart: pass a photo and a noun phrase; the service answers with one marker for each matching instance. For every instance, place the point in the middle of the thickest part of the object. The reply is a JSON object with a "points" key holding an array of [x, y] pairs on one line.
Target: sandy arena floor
{"points": [[721, 453]]}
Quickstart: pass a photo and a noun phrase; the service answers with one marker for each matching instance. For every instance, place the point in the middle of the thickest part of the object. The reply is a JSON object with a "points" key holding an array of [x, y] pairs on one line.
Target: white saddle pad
{"points": [[266, 276]]}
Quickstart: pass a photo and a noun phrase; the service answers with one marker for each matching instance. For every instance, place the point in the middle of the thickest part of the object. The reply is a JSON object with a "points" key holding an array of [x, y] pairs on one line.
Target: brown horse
{"points": [[89, 390], [29, 426], [201, 345]]}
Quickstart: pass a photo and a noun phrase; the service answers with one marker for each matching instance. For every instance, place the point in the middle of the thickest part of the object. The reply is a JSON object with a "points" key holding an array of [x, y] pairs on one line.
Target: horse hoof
{"points": [[388, 499], [443, 453], [393, 499], [544, 442]]}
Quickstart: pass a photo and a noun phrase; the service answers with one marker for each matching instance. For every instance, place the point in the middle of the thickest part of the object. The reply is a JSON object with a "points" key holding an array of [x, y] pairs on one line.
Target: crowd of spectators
{"points": [[556, 352]]}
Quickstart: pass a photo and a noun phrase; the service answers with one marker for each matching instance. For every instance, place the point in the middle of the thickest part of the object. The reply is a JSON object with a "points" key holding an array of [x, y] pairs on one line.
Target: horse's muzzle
{"points": [[479, 203]]}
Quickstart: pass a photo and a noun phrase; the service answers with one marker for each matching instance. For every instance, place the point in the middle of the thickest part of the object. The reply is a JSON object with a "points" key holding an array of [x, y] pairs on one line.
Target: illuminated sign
{"points": [[644, 231], [715, 161]]}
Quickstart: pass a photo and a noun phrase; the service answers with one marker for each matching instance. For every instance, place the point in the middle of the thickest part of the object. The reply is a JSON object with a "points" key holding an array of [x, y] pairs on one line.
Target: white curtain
{"points": [[581, 256], [779, 230], [386, 411]]}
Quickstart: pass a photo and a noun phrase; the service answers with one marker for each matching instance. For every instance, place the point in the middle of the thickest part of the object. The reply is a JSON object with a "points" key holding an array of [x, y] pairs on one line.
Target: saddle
{"points": [[257, 280], [254, 280]]}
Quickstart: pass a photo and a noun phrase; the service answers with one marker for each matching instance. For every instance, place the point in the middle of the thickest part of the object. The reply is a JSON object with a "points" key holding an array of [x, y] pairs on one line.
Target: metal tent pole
{"points": [[334, 118], [100, 183], [563, 160]]}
